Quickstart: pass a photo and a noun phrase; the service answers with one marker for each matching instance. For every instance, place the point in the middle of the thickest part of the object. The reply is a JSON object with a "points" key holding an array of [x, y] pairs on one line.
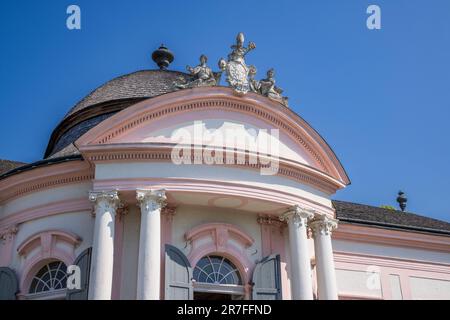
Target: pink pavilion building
{"points": [[141, 196]]}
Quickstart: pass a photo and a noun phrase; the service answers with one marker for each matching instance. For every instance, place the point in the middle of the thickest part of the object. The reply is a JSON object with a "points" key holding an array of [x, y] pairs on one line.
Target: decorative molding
{"points": [[228, 188], [221, 232], [45, 210], [297, 215], [7, 234], [168, 212], [151, 200], [49, 250], [105, 201], [222, 99], [50, 183], [42, 178], [217, 236], [122, 211], [322, 224], [363, 260], [47, 240], [150, 152], [221, 104], [270, 220], [397, 238]]}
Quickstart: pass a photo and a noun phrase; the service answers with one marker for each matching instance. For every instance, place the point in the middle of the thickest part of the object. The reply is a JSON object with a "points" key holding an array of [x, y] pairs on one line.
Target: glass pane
{"points": [[50, 277], [217, 270]]}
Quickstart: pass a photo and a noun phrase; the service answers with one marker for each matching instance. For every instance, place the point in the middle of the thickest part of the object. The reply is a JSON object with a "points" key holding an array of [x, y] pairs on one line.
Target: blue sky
{"points": [[380, 98]]}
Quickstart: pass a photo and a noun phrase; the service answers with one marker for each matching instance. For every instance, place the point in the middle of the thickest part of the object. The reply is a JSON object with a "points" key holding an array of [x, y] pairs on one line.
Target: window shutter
{"points": [[8, 284], [267, 279], [84, 262], [178, 275]]}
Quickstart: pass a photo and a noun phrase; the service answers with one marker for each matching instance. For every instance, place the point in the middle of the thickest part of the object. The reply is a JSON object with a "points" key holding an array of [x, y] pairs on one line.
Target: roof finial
{"points": [[401, 199], [162, 57]]}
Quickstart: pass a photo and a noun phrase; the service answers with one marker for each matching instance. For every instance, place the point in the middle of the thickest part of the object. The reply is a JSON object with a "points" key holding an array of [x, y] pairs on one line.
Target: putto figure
{"points": [[236, 69], [202, 76]]}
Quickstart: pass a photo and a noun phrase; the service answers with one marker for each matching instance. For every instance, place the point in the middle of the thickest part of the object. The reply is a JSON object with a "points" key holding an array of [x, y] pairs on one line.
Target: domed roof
{"points": [[109, 98], [139, 84]]}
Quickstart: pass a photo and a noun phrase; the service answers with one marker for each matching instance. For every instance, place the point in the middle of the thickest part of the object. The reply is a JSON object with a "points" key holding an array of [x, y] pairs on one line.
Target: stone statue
{"points": [[240, 76], [254, 84], [236, 69], [202, 76], [267, 88]]}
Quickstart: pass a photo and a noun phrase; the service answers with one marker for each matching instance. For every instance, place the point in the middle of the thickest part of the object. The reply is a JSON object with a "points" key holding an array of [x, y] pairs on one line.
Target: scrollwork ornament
{"points": [[105, 201], [297, 215], [151, 200], [236, 69], [8, 233], [322, 224]]}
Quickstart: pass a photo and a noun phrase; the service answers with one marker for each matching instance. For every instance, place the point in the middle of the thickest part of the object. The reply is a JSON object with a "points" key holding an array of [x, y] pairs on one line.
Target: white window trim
{"points": [[218, 288], [47, 295]]}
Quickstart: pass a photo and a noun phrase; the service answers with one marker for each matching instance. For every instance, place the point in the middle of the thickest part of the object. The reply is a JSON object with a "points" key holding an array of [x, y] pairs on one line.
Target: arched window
{"points": [[216, 270], [50, 278]]}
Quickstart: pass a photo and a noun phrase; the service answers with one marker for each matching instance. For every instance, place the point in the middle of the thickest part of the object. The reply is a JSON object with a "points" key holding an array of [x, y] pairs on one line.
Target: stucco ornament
{"points": [[202, 76], [235, 67], [8, 233], [322, 224], [151, 200], [241, 77], [297, 215], [105, 201]]}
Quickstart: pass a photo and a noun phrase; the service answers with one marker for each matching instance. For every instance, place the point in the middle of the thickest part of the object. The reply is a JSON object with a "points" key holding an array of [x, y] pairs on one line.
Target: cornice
{"points": [[392, 237], [214, 187], [391, 262], [45, 177], [45, 210], [150, 152], [222, 99]]}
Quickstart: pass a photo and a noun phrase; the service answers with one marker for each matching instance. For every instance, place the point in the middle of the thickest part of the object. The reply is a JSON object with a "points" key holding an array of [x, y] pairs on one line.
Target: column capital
{"points": [[8, 233], [269, 220], [297, 214], [322, 224], [151, 198], [108, 200], [169, 210]]}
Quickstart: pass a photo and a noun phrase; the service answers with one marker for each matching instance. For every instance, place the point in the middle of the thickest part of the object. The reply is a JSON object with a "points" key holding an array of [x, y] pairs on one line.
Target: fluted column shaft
{"points": [[149, 263], [101, 274], [301, 283]]}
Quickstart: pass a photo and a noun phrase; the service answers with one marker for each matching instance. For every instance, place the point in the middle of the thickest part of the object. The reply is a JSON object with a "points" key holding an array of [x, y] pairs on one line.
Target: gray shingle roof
{"points": [[8, 165], [364, 214], [139, 84]]}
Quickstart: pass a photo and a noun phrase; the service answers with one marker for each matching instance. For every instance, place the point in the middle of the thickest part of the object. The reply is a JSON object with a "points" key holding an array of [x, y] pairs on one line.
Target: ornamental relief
{"points": [[218, 237], [239, 75]]}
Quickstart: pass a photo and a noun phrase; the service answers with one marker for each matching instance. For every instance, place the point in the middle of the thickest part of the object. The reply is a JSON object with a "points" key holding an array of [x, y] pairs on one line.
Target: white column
{"points": [[100, 281], [322, 226], [149, 264], [301, 283]]}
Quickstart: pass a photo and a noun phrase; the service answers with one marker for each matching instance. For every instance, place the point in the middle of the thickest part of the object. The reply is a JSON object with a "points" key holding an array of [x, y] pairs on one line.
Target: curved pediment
{"points": [[209, 117]]}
